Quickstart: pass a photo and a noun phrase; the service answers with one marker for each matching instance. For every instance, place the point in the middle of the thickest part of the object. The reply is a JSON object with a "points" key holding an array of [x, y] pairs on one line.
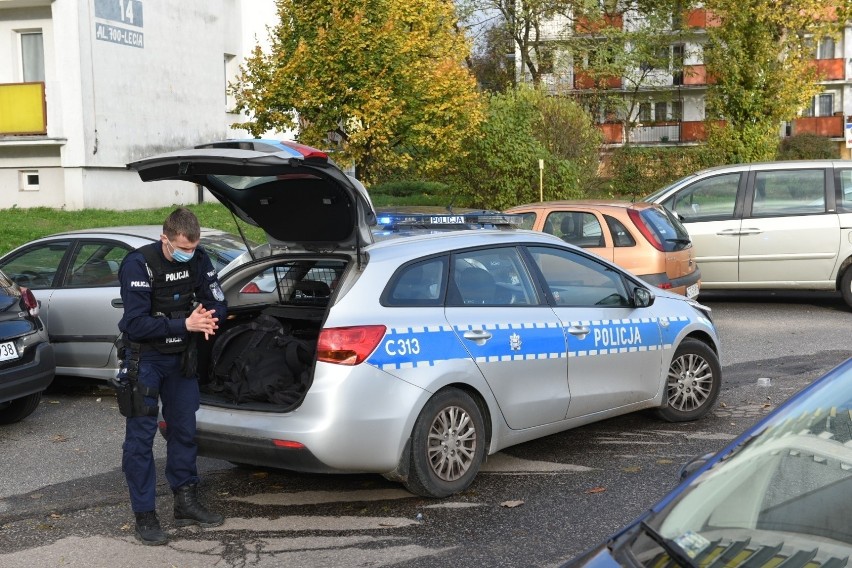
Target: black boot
{"points": [[188, 511], [148, 529]]}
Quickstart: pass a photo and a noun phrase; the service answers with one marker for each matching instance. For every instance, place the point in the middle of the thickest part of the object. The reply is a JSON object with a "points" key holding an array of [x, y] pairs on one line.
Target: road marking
{"points": [[316, 523], [317, 497], [504, 463]]}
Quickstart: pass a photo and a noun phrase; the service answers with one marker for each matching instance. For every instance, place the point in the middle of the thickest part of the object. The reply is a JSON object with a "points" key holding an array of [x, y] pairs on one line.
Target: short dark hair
{"points": [[182, 221]]}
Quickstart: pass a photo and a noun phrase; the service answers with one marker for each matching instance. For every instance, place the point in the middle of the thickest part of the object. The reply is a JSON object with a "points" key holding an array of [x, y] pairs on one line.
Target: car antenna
{"points": [[245, 240]]}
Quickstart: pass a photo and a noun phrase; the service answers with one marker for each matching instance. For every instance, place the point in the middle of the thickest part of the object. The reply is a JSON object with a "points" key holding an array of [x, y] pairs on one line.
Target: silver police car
{"points": [[429, 352]]}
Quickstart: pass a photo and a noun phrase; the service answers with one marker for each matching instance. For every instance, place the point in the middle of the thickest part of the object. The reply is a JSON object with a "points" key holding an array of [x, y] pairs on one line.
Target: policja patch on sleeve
{"points": [[217, 292]]}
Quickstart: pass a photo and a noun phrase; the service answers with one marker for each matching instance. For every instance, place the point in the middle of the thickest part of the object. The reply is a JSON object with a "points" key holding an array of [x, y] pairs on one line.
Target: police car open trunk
{"points": [[262, 357]]}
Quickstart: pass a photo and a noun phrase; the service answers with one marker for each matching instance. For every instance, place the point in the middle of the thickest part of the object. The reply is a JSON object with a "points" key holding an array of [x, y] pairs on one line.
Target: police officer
{"points": [[171, 297]]}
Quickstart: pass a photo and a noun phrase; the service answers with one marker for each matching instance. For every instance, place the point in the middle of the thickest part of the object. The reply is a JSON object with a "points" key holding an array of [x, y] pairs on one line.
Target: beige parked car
{"points": [[645, 239], [775, 225]]}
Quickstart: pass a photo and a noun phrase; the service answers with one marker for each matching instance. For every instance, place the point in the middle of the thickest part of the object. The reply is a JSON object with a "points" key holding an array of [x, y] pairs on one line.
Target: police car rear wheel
{"points": [[694, 380], [447, 445]]}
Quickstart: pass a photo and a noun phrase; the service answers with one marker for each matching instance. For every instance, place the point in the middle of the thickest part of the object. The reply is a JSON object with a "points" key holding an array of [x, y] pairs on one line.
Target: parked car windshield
{"points": [[783, 492]]}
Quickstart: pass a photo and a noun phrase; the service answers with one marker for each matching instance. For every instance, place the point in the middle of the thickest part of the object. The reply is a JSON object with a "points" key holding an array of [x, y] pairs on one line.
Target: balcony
{"points": [[585, 25], [828, 126], [23, 110], [830, 69], [701, 18], [696, 75], [584, 80], [613, 132], [668, 132]]}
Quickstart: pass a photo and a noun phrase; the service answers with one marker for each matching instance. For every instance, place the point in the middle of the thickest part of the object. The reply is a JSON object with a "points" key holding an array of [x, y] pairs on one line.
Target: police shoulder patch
{"points": [[216, 290]]}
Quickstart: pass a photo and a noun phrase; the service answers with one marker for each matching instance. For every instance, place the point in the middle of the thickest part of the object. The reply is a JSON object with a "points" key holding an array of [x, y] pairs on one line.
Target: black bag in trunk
{"points": [[261, 362]]}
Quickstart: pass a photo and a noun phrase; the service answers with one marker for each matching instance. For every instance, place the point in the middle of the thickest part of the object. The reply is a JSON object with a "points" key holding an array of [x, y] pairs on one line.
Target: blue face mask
{"points": [[179, 255]]}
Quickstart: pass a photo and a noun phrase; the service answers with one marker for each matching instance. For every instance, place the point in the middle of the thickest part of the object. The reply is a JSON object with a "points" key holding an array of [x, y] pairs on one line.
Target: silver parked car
{"points": [[429, 352], [74, 276], [776, 225]]}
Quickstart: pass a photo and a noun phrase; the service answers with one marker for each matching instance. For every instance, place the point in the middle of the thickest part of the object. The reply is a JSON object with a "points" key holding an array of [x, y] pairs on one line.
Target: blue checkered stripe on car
{"points": [[414, 347]]}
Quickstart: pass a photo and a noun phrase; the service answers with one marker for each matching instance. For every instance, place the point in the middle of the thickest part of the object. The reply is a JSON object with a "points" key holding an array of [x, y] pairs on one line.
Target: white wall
{"points": [[159, 86]]}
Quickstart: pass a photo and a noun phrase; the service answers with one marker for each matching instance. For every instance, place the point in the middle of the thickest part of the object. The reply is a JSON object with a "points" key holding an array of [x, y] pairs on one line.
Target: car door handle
{"points": [[580, 331], [117, 303], [478, 336], [739, 232]]}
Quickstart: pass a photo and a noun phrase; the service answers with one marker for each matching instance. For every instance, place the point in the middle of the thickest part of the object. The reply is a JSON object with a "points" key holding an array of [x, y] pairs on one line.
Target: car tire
{"points": [[846, 286], [693, 382], [447, 445], [18, 409]]}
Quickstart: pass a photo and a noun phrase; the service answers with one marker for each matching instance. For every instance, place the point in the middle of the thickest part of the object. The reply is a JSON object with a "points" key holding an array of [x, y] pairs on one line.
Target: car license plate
{"points": [[692, 291], [8, 351]]}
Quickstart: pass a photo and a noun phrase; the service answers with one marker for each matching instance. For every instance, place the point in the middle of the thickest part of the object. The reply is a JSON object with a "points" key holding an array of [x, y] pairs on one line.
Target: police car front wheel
{"points": [[447, 445], [694, 380]]}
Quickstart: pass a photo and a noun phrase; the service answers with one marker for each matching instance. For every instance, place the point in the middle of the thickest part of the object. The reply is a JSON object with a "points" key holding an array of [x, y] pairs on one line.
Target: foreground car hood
{"points": [[301, 199]]}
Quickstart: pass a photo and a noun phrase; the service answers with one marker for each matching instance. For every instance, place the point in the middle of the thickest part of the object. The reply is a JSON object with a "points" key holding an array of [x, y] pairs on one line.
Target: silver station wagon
{"points": [[775, 225], [427, 352]]}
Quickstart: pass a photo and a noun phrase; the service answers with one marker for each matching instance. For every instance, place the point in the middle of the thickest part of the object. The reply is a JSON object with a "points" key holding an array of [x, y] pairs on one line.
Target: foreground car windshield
{"points": [[783, 496]]}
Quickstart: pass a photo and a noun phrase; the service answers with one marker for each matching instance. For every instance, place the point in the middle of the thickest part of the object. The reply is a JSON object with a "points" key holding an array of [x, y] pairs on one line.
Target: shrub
{"points": [[807, 147], [639, 171]]}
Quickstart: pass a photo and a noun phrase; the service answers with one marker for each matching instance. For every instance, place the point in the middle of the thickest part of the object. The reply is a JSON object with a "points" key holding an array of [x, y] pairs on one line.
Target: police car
{"points": [[431, 351]]}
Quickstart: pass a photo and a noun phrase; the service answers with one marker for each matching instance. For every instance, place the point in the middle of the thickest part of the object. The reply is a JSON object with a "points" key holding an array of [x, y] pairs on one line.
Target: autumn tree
{"points": [[761, 57], [384, 81], [522, 127]]}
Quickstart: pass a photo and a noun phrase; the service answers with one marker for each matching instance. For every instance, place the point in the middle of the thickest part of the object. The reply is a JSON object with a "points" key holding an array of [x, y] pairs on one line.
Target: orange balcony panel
{"points": [[829, 126], [697, 75], [583, 80], [584, 25], [695, 130], [613, 133], [701, 18], [830, 69]]}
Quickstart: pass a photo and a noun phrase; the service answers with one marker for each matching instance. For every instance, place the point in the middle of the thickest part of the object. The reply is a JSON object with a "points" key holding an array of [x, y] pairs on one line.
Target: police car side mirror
{"points": [[642, 297]]}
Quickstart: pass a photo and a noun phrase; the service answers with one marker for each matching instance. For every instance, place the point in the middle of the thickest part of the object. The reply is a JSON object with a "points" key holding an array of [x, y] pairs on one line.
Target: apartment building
{"points": [[666, 105], [87, 86]]}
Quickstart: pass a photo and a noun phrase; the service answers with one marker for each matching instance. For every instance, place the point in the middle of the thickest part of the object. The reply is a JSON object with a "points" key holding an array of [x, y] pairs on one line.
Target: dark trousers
{"points": [[180, 399]]}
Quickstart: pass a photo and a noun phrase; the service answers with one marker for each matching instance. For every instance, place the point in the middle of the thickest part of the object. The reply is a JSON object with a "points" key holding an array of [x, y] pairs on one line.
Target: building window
{"points": [[825, 104], [230, 72], [661, 111], [32, 56], [645, 112], [825, 49], [28, 180], [677, 110]]}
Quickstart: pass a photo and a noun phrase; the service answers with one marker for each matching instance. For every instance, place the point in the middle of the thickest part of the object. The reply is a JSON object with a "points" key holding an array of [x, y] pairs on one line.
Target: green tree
{"points": [[761, 57], [521, 128], [383, 80]]}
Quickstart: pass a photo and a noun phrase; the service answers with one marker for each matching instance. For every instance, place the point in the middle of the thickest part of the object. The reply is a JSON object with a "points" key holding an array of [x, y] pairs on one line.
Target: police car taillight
{"points": [[30, 301], [250, 288], [348, 345]]}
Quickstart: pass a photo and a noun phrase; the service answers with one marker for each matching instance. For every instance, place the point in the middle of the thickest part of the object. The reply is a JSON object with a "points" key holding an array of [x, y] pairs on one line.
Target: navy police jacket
{"points": [[167, 333]]}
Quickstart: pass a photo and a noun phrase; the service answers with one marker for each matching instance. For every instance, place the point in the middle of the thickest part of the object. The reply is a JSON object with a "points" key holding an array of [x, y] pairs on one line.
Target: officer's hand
{"points": [[202, 320]]}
